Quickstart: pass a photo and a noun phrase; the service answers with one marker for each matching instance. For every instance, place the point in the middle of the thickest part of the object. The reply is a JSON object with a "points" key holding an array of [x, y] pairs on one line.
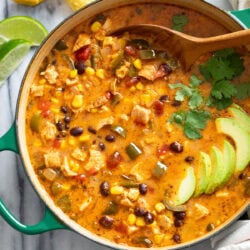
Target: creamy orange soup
{"points": [[129, 145]]}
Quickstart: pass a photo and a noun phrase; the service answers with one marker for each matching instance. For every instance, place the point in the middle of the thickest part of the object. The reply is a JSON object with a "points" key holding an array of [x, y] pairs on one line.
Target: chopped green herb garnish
{"points": [[179, 21], [191, 92], [243, 90], [192, 121], [219, 70]]}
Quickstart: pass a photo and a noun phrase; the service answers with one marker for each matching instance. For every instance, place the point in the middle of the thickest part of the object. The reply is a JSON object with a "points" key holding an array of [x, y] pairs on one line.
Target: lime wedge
{"points": [[23, 27], [12, 54]]}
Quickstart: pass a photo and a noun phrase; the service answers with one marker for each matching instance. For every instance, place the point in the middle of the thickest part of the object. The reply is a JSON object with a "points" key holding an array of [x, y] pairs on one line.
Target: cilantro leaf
{"points": [[243, 90], [182, 93], [195, 100], [195, 81], [191, 132], [179, 21], [192, 121], [223, 89]]}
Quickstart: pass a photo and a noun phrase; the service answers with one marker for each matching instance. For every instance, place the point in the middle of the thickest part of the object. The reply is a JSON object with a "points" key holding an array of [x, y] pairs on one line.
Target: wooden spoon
{"points": [[188, 48]]}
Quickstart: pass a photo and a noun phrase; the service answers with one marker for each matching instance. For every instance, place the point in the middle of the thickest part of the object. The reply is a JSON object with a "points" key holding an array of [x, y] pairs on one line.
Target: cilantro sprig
{"points": [[219, 70], [192, 121], [190, 92]]}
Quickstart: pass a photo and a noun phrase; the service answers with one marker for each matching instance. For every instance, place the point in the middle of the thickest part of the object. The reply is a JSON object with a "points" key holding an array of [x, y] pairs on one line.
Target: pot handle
{"points": [[49, 221], [241, 16]]}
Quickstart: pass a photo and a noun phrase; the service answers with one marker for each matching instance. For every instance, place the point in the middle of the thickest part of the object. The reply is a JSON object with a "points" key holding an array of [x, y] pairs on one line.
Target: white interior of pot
{"points": [[57, 34]]}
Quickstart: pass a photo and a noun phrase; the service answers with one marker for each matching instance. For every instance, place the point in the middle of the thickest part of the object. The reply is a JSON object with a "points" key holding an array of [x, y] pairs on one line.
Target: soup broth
{"points": [[129, 145]]}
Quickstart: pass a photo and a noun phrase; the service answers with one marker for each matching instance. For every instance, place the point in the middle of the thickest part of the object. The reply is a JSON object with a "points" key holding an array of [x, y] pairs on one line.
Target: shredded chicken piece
{"points": [[96, 160], [50, 74], [79, 154], [140, 115], [37, 90], [148, 71], [164, 221], [53, 160], [48, 131], [82, 40], [85, 203], [66, 168], [105, 121], [199, 211], [100, 101]]}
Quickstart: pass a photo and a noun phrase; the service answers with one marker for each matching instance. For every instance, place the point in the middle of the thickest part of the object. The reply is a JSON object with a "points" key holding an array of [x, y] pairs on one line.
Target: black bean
{"points": [[104, 188], [148, 218], [242, 176], [67, 119], [176, 147], [164, 98], [143, 188], [177, 238], [179, 215], [80, 66], [178, 223], [166, 68], [64, 109], [176, 103], [189, 159], [106, 221], [140, 212], [76, 131], [102, 146], [210, 227], [92, 130], [59, 126], [110, 138]]}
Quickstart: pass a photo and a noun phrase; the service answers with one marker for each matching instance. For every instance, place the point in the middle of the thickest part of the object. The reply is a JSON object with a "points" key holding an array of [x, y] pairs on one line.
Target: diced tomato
{"points": [[46, 113], [43, 105], [93, 171], [158, 107], [132, 81], [163, 150], [114, 160], [130, 50], [83, 53], [56, 143], [121, 227], [80, 177]]}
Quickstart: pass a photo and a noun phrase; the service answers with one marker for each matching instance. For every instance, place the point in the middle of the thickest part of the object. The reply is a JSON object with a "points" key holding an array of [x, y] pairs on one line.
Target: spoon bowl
{"points": [[186, 48]]}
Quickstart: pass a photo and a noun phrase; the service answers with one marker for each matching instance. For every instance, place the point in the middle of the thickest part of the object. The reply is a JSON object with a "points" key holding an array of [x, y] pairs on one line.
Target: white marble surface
{"points": [[15, 188]]}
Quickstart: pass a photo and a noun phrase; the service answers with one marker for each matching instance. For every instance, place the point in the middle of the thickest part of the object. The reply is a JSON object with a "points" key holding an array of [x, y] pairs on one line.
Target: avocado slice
{"points": [[240, 116], [203, 174], [217, 173], [186, 188], [241, 138], [229, 157]]}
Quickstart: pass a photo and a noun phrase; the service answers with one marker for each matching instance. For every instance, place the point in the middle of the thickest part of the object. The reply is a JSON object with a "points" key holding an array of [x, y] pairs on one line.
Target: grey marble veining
{"points": [[15, 189]]}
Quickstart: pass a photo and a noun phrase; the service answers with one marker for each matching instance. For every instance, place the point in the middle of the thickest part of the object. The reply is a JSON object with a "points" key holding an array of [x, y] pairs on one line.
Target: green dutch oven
{"points": [[54, 218]]}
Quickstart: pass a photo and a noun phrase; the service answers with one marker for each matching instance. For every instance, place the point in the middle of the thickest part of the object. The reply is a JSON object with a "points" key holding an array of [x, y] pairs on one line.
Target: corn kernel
{"points": [[146, 99], [95, 26], [131, 219], [116, 190], [100, 73], [63, 144], [73, 73], [137, 64], [159, 207], [133, 194], [139, 86], [72, 141], [37, 143], [54, 100], [140, 222], [89, 71], [42, 81], [84, 138], [132, 89], [55, 110], [77, 101], [80, 87], [158, 238], [66, 187], [93, 110]]}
